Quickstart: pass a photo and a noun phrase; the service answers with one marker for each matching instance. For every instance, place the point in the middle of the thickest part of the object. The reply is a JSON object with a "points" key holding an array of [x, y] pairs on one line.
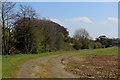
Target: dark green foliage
{"points": [[106, 42], [85, 43], [52, 33], [60, 41], [91, 45], [37, 40], [94, 45], [23, 35], [98, 45], [38, 36], [77, 45]]}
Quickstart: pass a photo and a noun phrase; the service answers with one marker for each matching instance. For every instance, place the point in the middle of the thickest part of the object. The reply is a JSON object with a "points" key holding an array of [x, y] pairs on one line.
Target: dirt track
{"points": [[45, 67], [104, 66]]}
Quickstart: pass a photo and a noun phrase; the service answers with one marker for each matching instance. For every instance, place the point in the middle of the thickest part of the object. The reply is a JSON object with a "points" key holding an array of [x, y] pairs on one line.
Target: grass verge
{"points": [[11, 63]]}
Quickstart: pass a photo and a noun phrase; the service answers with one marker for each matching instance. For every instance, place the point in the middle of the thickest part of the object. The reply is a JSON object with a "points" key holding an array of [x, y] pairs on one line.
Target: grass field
{"points": [[11, 63], [0, 66]]}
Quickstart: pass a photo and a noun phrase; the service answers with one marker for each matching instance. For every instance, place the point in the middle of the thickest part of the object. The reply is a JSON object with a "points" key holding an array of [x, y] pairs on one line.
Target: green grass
{"points": [[92, 52], [107, 51], [0, 66], [11, 63]]}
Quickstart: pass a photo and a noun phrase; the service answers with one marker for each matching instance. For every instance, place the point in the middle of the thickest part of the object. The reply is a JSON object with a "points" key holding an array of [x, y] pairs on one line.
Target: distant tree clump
{"points": [[105, 42], [82, 39]]}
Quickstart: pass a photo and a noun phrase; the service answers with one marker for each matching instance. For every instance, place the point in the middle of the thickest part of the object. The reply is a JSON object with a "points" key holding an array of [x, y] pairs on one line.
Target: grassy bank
{"points": [[11, 63]]}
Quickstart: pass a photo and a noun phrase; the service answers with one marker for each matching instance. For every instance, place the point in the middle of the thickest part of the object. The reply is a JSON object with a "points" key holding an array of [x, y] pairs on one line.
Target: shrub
{"points": [[91, 45], [98, 45], [77, 45]]}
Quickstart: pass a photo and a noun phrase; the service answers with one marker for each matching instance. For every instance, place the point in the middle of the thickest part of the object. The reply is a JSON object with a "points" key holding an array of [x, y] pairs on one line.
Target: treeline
{"points": [[82, 40], [24, 32]]}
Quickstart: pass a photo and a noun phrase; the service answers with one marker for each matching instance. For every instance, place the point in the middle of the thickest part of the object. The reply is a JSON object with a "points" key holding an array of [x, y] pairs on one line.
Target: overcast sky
{"points": [[98, 18]]}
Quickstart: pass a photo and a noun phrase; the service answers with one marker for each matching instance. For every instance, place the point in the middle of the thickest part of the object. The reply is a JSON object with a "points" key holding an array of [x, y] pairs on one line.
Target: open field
{"points": [[63, 64]]}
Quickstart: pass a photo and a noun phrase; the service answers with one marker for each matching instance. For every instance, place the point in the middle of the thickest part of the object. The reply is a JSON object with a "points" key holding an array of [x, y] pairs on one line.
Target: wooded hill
{"points": [[34, 35]]}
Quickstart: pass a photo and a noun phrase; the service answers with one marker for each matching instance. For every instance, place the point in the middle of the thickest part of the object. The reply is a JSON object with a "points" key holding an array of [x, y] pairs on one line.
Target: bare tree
{"points": [[7, 24], [25, 17], [81, 33], [27, 12]]}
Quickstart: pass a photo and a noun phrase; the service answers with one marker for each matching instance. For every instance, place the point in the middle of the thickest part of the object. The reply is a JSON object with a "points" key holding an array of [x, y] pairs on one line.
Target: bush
{"points": [[78, 45], [98, 45], [15, 51], [85, 44], [91, 45]]}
